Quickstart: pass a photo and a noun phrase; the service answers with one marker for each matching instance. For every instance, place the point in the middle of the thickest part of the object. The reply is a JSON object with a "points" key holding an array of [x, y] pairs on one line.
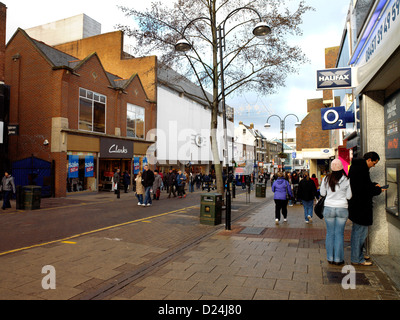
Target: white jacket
{"points": [[337, 199]]}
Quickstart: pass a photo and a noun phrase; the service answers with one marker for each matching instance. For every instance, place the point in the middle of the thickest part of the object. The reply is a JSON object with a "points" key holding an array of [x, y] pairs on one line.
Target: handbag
{"points": [[319, 207]]}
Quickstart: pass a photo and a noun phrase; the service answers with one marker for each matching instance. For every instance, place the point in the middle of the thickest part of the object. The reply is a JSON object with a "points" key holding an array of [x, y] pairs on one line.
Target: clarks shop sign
{"points": [[116, 149]]}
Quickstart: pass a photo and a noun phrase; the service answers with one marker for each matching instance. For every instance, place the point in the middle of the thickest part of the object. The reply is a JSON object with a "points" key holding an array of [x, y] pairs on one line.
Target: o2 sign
{"points": [[335, 118]]}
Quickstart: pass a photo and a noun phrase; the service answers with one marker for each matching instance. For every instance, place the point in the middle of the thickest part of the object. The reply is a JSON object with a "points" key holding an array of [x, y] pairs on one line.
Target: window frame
{"points": [[93, 97]]}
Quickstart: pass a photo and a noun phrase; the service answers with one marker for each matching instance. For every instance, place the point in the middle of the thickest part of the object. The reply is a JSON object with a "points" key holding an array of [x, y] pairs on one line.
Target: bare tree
{"points": [[249, 64]]}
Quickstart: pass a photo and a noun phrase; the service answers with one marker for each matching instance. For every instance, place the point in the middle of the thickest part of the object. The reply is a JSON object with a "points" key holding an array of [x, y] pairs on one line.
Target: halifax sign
{"points": [[334, 79]]}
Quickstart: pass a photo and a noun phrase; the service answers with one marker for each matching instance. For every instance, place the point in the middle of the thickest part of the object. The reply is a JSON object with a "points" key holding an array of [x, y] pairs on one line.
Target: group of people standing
{"points": [[346, 197]]}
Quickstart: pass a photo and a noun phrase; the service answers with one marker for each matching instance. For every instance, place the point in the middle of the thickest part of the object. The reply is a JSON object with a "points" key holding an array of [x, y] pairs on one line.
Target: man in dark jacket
{"points": [[171, 178], [147, 182], [360, 205]]}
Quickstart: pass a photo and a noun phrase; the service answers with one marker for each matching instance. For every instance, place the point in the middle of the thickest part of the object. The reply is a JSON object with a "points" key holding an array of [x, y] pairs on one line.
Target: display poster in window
{"points": [[392, 124], [136, 165], [73, 167], [89, 166]]}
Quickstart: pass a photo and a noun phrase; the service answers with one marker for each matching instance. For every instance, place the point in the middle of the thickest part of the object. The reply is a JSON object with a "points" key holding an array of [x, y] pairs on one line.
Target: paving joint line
{"points": [[118, 284]]}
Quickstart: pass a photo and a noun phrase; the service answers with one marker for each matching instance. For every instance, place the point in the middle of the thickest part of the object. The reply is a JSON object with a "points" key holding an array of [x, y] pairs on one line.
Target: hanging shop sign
{"points": [[334, 79], [73, 167], [116, 149], [89, 166], [336, 118]]}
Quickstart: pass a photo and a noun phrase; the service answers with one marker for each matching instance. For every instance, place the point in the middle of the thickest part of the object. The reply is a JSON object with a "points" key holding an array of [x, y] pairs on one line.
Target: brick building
{"points": [[72, 112], [313, 143]]}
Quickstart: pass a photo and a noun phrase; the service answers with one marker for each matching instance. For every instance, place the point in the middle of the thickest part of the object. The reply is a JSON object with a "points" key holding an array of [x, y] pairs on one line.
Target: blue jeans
{"points": [[6, 199], [140, 198], [358, 235], [335, 219], [147, 197], [308, 206]]}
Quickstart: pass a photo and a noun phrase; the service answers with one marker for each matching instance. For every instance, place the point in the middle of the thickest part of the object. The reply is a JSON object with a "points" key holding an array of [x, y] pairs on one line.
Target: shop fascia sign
{"points": [[377, 43], [336, 118], [115, 148], [339, 78]]}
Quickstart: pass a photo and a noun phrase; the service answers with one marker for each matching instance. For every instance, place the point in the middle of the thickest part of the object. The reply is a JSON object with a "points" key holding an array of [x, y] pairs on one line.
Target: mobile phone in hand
{"points": [[385, 187]]}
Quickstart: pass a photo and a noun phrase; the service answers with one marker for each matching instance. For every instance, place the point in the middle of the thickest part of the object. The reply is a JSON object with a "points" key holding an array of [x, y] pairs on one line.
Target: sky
{"points": [[322, 28]]}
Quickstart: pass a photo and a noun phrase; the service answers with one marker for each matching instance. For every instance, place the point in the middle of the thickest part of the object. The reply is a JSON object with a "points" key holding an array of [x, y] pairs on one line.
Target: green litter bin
{"points": [[211, 209], [261, 190], [32, 196]]}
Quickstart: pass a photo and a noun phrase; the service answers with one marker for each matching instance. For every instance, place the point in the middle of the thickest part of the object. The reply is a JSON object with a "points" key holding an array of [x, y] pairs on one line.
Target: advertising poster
{"points": [[136, 165], [73, 167], [89, 166]]}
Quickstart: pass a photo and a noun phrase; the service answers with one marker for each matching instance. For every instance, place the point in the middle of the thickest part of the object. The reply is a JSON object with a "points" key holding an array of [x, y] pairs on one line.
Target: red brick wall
{"points": [[310, 134], [39, 93], [3, 19]]}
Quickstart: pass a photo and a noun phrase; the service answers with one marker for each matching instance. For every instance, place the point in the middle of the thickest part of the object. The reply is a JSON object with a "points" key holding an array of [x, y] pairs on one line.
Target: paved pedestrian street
{"points": [[172, 257]]}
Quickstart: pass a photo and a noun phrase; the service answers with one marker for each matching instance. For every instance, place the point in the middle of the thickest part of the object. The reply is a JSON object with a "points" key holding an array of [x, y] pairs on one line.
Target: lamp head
{"points": [[183, 46], [298, 124], [261, 30], [267, 126]]}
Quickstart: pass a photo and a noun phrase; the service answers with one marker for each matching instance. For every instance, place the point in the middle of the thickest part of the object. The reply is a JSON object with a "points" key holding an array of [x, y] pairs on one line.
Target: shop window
{"points": [[92, 111], [135, 121], [392, 194]]}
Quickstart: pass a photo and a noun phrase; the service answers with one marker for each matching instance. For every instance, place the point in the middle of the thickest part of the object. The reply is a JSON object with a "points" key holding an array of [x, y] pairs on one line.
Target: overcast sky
{"points": [[322, 29]]}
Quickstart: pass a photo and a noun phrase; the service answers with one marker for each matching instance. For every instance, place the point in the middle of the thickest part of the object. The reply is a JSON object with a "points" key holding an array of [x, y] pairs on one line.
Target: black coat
{"points": [[363, 189], [148, 178], [307, 190]]}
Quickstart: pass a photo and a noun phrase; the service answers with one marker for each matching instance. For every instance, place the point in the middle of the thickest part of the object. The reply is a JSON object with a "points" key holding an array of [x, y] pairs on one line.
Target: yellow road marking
{"points": [[68, 242], [93, 231]]}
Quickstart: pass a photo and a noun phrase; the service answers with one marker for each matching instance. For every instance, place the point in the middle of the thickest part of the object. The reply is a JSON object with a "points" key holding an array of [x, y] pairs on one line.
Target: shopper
{"points": [[181, 181], [147, 181], [157, 185], [8, 188], [295, 180], [127, 181], [282, 191], [336, 188], [139, 189], [307, 192], [360, 206]]}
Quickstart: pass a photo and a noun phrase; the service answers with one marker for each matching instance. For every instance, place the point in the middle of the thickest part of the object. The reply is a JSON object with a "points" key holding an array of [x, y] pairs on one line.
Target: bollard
{"points": [[118, 193]]}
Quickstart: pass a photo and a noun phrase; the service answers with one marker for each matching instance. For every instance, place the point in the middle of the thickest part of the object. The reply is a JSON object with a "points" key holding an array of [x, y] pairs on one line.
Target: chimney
{"points": [[251, 125], [3, 15], [240, 123]]}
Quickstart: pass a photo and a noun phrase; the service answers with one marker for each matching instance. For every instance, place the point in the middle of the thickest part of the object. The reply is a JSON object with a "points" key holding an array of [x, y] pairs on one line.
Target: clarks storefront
{"points": [[93, 160]]}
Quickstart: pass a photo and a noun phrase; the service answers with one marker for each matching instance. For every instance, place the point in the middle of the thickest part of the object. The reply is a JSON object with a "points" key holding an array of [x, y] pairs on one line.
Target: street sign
{"points": [[334, 79], [336, 118]]}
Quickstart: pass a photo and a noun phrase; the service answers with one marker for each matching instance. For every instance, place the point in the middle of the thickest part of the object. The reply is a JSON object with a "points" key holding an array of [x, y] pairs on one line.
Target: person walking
{"points": [[171, 178], [116, 178], [147, 181], [127, 181], [306, 193], [360, 206], [336, 188], [282, 191], [157, 185], [139, 189], [295, 180], [7, 186], [181, 181]]}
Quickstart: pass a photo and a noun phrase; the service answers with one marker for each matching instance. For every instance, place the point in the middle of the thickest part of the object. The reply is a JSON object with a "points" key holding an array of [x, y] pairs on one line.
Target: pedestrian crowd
{"points": [[346, 197]]}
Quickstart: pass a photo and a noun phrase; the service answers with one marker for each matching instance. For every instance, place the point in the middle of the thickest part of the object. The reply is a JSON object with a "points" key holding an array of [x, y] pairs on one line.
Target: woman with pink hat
{"points": [[336, 188]]}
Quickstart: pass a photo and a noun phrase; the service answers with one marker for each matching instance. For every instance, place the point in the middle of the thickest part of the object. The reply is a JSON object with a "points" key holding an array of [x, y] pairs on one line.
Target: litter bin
{"points": [[32, 196], [261, 190], [211, 209]]}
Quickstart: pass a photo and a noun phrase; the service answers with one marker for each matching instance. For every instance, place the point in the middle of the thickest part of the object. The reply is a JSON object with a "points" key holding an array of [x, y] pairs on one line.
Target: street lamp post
{"points": [[261, 30], [267, 126]]}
